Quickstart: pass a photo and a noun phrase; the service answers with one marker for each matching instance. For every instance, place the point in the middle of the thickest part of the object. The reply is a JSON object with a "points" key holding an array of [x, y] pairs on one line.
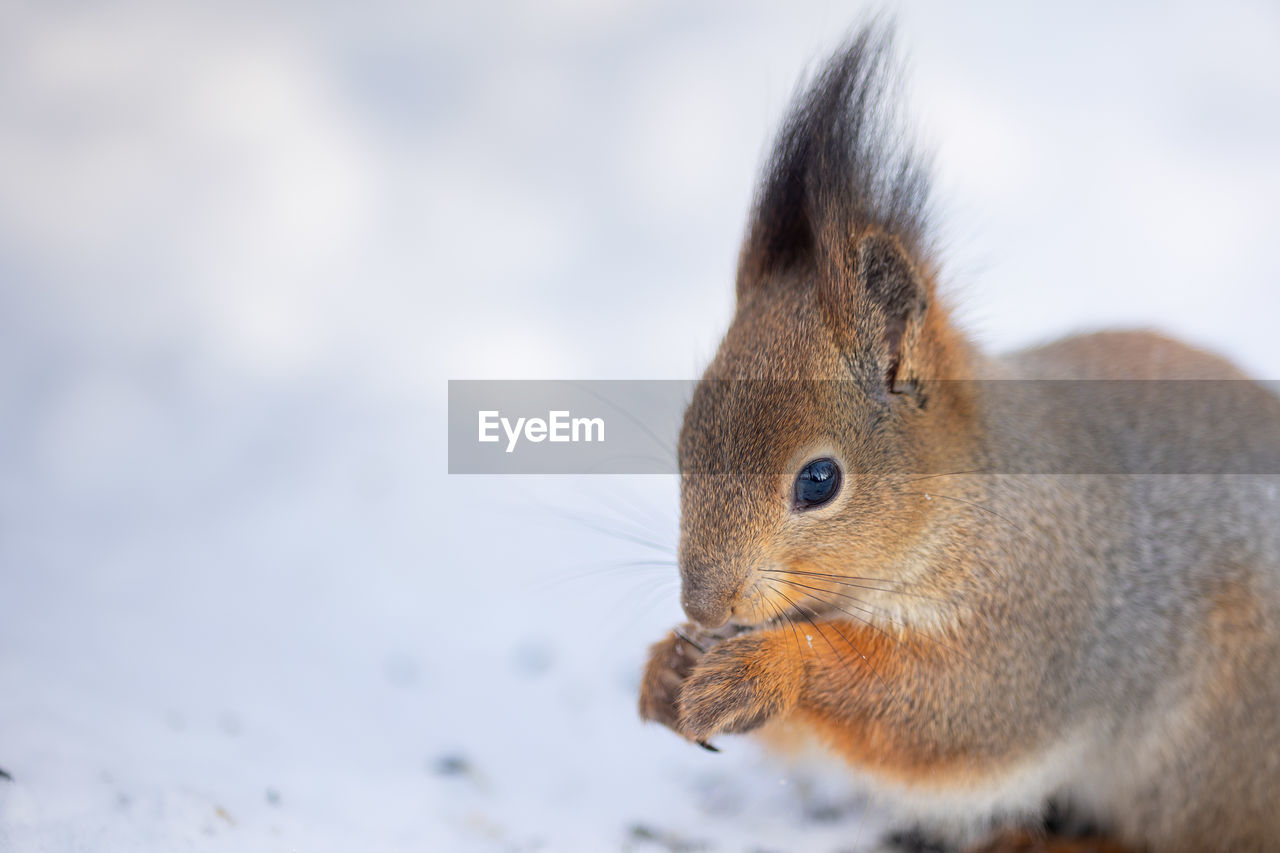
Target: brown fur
{"points": [[1016, 593]]}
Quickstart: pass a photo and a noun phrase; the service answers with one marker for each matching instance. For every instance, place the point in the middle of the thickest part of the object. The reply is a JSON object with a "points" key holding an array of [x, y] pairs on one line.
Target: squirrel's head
{"points": [[828, 391]]}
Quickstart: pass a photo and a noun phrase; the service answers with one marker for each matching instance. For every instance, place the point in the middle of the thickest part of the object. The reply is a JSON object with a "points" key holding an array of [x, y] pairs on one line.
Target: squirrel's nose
{"points": [[706, 607]]}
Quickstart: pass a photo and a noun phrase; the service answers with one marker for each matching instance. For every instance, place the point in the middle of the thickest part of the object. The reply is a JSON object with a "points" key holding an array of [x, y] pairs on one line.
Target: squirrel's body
{"points": [[1154, 600], [1049, 576], [1118, 648]]}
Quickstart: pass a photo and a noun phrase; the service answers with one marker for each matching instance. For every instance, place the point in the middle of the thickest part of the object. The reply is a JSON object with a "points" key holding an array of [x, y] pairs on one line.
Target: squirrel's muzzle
{"points": [[706, 599]]}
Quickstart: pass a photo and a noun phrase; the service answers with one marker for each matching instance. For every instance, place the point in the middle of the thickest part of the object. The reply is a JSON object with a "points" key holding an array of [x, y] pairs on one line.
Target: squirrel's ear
{"points": [[876, 310]]}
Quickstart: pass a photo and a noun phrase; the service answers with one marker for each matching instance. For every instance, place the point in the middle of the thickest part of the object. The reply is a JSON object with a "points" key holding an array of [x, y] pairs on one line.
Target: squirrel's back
{"points": [[1186, 647], [1120, 355]]}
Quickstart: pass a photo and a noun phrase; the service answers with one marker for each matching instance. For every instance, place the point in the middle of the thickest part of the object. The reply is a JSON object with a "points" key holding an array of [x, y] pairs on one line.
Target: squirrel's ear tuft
{"points": [[877, 311], [839, 167]]}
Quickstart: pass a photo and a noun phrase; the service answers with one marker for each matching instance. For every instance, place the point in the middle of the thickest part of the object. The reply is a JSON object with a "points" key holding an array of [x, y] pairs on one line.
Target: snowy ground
{"points": [[242, 247]]}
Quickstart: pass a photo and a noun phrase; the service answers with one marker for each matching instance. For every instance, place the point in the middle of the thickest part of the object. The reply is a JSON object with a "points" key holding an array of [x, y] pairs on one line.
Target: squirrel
{"points": [[993, 585]]}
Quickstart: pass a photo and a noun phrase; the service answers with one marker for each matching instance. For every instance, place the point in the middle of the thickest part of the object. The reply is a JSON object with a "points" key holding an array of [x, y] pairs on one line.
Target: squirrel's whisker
{"points": [[825, 639], [935, 476], [839, 579], [973, 504], [876, 613], [608, 570], [808, 616], [862, 619], [782, 615]]}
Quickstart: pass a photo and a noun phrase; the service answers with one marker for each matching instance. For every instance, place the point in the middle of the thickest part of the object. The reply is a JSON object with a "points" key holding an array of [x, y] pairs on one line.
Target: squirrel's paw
{"points": [[670, 663], [738, 685]]}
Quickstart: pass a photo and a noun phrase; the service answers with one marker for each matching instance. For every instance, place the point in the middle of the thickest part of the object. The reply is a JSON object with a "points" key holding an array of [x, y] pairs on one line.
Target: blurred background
{"points": [[243, 245]]}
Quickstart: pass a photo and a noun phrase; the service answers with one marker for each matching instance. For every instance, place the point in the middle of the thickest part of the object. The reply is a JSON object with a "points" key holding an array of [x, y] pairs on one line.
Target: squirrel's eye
{"points": [[817, 483]]}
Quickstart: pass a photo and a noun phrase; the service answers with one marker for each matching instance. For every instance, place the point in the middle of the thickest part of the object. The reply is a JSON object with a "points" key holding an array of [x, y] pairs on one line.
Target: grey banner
{"points": [[1011, 426]]}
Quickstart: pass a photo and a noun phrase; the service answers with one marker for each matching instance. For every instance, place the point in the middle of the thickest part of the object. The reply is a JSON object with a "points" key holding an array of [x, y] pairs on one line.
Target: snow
{"points": [[242, 247]]}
